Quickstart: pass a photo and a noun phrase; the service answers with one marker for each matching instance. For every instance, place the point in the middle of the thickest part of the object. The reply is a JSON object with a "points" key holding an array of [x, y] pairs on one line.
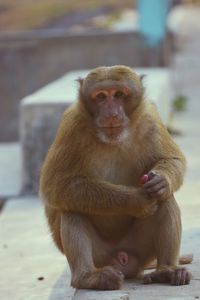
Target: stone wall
{"points": [[28, 61]]}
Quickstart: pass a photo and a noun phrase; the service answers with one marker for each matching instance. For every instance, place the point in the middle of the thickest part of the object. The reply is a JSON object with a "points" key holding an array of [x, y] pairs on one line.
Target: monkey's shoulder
{"points": [[150, 123], [73, 123], [72, 118]]}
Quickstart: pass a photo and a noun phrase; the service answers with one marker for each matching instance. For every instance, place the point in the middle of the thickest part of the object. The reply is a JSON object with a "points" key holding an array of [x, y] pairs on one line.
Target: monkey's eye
{"points": [[101, 96], [119, 94]]}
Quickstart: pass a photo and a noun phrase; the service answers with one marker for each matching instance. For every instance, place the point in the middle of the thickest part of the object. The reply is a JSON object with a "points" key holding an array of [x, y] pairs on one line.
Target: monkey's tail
{"points": [[183, 260]]}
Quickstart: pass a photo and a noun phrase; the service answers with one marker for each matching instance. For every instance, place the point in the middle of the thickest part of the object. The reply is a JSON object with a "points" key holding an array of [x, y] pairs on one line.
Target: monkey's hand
{"points": [[156, 185], [146, 206]]}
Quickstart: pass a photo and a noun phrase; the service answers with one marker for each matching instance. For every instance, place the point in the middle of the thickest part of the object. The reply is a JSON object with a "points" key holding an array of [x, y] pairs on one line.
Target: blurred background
{"points": [[42, 40], [44, 46]]}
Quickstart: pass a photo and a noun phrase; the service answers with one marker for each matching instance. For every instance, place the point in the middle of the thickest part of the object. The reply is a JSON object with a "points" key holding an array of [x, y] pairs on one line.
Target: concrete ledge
{"points": [[96, 295], [41, 113]]}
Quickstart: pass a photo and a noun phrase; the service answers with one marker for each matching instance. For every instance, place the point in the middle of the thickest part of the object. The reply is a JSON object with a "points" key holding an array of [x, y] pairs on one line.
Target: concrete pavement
{"points": [[32, 267]]}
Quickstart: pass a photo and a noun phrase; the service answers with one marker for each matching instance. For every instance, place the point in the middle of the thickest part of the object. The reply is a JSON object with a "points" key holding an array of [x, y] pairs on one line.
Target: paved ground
{"points": [[32, 268]]}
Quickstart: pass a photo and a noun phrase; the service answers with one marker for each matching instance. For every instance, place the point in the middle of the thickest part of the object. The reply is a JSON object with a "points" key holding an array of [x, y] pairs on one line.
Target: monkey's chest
{"points": [[114, 169]]}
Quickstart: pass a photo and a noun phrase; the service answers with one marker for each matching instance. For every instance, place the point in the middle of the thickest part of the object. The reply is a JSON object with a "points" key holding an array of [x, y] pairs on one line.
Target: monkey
{"points": [[108, 224]]}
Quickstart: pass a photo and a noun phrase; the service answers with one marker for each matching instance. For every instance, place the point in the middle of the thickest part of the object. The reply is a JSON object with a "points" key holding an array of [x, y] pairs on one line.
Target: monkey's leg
{"points": [[136, 249], [183, 260], [80, 244], [167, 246]]}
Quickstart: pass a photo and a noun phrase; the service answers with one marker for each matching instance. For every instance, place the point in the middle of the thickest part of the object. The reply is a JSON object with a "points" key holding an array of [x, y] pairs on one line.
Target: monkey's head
{"points": [[111, 95]]}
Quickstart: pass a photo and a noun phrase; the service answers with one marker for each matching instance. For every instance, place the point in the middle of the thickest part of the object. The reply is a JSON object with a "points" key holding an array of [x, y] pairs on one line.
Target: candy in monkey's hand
{"points": [[147, 177], [144, 178], [156, 185]]}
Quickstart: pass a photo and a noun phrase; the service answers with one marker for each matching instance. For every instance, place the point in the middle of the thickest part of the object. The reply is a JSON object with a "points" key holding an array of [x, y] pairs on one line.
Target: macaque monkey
{"points": [[110, 223]]}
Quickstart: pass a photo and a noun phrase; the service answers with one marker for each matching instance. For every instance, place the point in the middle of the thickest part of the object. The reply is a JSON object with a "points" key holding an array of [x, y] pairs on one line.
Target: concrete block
{"points": [[41, 113], [98, 295], [10, 162]]}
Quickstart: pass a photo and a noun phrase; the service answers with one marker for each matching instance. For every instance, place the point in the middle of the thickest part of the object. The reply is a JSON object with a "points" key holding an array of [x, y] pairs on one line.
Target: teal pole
{"points": [[152, 20]]}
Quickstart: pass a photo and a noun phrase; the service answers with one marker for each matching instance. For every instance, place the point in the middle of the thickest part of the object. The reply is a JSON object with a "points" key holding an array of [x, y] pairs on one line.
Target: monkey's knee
{"points": [[169, 205], [169, 217], [72, 223], [64, 227], [75, 230]]}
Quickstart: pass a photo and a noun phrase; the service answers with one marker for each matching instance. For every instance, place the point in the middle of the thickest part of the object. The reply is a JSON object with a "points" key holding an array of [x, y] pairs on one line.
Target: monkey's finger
{"points": [[157, 187], [157, 276], [183, 277], [178, 277], [159, 193], [188, 277], [151, 174], [152, 182]]}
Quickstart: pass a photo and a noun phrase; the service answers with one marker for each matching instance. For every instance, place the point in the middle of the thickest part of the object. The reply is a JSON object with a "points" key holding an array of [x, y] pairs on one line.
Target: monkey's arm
{"points": [[89, 196], [173, 170], [166, 175], [84, 194]]}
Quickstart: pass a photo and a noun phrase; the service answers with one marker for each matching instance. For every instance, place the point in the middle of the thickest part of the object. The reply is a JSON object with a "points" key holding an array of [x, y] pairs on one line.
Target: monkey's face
{"points": [[110, 95], [110, 103]]}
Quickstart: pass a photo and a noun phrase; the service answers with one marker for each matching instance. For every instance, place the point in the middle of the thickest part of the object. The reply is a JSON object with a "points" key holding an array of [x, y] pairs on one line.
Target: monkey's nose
{"points": [[114, 117], [112, 113]]}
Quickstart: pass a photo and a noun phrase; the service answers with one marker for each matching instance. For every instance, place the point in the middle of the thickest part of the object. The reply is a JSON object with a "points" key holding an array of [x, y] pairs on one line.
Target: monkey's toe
{"points": [[109, 278], [177, 276], [147, 279], [180, 276], [106, 278], [159, 276]]}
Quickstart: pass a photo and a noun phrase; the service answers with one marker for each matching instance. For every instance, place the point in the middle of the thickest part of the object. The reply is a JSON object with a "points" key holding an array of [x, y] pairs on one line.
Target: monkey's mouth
{"points": [[112, 130], [112, 126]]}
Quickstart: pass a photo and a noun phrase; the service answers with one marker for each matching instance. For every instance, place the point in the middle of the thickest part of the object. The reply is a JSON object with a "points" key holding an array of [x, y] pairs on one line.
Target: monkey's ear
{"points": [[80, 80], [142, 77]]}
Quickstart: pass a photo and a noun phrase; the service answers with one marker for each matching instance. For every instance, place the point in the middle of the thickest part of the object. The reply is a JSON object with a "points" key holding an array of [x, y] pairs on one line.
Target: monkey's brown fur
{"points": [[93, 197]]}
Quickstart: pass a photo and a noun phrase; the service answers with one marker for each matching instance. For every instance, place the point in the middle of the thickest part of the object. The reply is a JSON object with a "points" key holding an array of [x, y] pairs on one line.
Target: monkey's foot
{"points": [[106, 278], [174, 276]]}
